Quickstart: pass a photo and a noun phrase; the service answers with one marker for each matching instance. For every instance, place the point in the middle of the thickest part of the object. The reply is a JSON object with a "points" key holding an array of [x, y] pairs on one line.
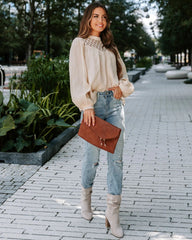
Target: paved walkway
{"points": [[157, 192]]}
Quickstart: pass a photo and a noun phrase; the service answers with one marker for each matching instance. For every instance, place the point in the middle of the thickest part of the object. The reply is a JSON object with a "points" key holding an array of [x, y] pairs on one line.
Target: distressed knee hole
{"points": [[96, 164], [119, 163]]}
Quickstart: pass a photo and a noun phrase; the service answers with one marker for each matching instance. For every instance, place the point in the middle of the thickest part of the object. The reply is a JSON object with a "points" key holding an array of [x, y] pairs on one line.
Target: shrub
{"points": [[144, 62], [129, 64], [30, 121], [41, 108], [47, 75]]}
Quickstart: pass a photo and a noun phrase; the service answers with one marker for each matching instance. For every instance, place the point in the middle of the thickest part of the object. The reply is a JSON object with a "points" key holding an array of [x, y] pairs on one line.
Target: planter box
{"points": [[42, 156], [133, 75], [143, 70]]}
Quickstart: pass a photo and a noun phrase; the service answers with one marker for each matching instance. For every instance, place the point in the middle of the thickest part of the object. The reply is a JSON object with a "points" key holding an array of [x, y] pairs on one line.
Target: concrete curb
{"points": [[133, 75], [42, 156]]}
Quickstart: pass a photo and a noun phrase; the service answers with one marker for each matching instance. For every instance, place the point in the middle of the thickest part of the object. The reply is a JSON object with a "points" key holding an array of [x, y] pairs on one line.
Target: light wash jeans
{"points": [[111, 110]]}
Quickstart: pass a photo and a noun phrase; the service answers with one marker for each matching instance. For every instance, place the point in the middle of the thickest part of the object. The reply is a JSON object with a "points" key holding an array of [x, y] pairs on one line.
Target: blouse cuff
{"points": [[91, 107]]}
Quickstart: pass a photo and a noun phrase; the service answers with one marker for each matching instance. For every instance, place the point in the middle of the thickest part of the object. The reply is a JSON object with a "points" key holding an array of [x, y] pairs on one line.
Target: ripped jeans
{"points": [[111, 110]]}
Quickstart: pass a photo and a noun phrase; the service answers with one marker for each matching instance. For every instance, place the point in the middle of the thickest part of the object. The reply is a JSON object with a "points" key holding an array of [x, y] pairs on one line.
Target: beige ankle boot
{"points": [[112, 215], [86, 211]]}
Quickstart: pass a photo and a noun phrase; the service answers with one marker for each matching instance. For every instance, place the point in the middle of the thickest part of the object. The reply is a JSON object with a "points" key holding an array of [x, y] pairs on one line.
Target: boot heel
{"points": [[107, 224]]}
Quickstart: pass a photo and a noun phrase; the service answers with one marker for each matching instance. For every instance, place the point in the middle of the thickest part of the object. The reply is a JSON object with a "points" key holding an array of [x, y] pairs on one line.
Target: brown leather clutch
{"points": [[103, 135]]}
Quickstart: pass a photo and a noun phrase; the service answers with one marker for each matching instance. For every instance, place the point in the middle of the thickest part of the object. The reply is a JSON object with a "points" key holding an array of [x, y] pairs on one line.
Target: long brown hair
{"points": [[106, 35]]}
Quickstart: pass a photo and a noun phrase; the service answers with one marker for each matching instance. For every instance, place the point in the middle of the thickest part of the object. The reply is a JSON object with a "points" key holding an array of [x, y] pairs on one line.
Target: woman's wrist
{"points": [[88, 108], [89, 117], [117, 93]]}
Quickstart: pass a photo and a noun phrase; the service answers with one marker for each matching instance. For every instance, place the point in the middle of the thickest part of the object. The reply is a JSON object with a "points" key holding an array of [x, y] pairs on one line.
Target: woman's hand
{"points": [[89, 117], [117, 93]]}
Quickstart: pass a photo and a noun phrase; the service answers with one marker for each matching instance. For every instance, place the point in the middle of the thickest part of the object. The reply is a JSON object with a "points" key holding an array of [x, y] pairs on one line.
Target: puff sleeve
{"points": [[126, 86], [79, 84]]}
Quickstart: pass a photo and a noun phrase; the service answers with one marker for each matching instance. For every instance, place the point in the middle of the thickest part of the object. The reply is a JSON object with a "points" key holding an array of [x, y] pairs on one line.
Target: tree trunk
{"points": [[29, 51], [48, 29], [180, 59], [31, 26], [189, 56], [172, 57], [177, 58], [185, 57]]}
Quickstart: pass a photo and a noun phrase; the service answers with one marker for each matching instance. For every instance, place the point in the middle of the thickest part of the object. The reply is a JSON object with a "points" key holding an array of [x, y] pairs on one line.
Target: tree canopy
{"points": [[175, 24], [50, 26]]}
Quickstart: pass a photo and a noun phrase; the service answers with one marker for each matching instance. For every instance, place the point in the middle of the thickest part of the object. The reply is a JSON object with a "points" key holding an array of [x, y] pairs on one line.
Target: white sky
{"points": [[152, 13], [146, 22]]}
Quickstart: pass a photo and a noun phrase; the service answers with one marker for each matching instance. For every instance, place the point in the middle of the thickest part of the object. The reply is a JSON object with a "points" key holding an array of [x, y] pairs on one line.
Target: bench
{"points": [[176, 74], [142, 70], [162, 68], [133, 75], [189, 75]]}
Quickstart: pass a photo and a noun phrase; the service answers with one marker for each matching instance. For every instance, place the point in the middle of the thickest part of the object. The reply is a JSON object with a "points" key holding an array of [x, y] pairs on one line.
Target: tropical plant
{"points": [[29, 121], [144, 62]]}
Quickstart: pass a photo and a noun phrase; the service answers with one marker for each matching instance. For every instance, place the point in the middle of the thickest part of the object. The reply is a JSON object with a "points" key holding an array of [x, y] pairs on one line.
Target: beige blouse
{"points": [[93, 69]]}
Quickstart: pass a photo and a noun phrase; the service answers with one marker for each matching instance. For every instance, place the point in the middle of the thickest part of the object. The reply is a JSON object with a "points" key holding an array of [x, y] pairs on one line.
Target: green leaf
{"points": [[32, 108], [62, 123], [39, 142], [23, 117], [51, 122], [1, 109], [1, 98], [24, 104], [31, 118], [21, 143], [7, 125], [59, 122], [29, 115], [8, 146]]}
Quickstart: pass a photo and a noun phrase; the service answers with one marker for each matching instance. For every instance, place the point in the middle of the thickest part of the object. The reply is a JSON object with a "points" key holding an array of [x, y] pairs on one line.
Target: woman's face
{"points": [[98, 21]]}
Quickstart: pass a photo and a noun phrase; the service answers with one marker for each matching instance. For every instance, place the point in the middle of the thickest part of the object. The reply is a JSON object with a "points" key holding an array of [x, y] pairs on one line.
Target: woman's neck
{"points": [[94, 37]]}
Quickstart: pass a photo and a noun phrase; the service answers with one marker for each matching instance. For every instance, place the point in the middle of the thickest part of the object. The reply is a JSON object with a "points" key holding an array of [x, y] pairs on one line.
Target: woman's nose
{"points": [[100, 19]]}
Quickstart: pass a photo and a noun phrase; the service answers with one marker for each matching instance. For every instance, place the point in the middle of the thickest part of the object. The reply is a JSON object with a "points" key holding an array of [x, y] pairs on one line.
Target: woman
{"points": [[98, 82]]}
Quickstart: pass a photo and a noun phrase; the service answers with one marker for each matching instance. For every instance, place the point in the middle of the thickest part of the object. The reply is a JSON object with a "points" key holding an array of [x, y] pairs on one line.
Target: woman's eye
{"points": [[103, 17]]}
